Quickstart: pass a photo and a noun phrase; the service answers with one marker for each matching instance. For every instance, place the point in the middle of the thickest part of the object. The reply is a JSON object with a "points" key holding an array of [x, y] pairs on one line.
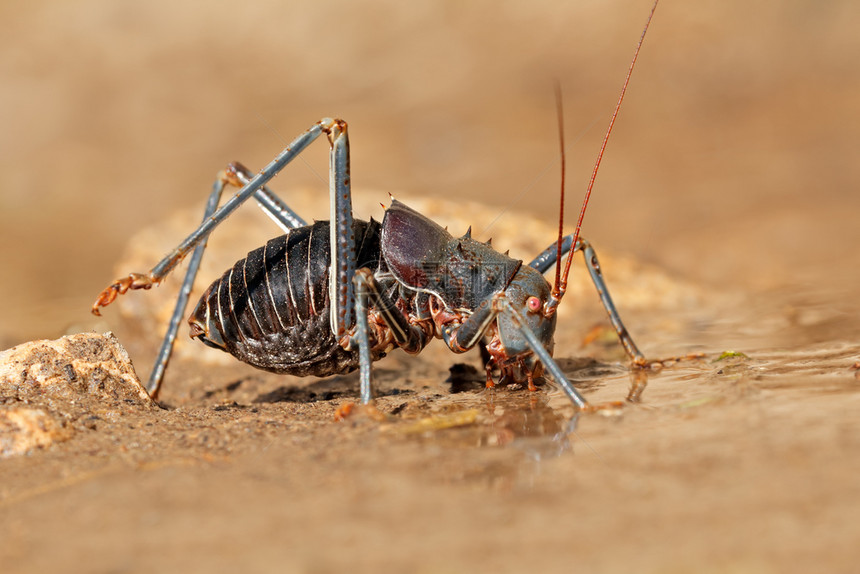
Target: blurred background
{"points": [[733, 162]]}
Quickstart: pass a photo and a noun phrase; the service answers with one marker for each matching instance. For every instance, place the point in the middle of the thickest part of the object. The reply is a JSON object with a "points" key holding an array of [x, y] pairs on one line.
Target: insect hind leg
{"points": [[341, 238], [237, 175], [153, 385], [250, 188]]}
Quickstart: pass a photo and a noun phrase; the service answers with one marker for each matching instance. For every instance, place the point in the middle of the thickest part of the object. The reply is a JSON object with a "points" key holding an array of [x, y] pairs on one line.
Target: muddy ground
{"points": [[725, 214]]}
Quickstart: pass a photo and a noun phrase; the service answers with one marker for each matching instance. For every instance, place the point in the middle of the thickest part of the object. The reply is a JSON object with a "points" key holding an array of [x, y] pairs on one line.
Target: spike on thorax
{"points": [[468, 234]]}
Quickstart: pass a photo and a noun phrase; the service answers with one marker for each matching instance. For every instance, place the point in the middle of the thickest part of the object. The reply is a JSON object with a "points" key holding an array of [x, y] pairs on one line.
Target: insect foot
{"points": [[119, 287], [644, 364]]}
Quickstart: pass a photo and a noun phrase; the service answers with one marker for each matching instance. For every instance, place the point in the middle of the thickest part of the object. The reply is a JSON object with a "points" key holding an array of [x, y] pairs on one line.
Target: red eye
{"points": [[534, 304]]}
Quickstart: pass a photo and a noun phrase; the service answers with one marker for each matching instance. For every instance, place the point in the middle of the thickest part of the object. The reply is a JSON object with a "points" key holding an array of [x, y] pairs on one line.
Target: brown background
{"points": [[733, 167], [733, 161]]}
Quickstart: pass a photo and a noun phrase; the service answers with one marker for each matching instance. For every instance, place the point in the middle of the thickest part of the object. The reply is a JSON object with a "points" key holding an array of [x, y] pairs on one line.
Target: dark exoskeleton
{"points": [[337, 295]]}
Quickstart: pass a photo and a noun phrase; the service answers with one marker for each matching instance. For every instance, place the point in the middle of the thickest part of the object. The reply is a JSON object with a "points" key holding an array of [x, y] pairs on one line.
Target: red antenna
{"points": [[561, 280], [560, 112]]}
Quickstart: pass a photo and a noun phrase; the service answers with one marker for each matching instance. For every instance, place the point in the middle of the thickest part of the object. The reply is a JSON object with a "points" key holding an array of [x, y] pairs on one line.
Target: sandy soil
{"points": [[724, 210]]}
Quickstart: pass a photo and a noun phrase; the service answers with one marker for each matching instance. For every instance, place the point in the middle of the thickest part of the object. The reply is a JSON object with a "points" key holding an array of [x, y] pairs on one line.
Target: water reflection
{"points": [[541, 425], [507, 437], [539, 433], [638, 382]]}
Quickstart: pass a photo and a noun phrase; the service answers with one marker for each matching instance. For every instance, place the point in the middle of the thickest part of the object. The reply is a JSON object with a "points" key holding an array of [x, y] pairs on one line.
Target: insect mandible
{"points": [[334, 296]]}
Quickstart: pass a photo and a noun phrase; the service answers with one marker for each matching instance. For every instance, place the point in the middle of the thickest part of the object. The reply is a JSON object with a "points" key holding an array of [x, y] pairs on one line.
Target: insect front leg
{"points": [[502, 304], [546, 260], [462, 337]]}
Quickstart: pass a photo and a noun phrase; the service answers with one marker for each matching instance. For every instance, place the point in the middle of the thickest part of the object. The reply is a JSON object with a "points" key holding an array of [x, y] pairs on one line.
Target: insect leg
{"points": [[237, 175], [538, 349], [361, 334], [410, 338], [342, 240], [463, 336], [157, 273], [153, 385], [548, 257]]}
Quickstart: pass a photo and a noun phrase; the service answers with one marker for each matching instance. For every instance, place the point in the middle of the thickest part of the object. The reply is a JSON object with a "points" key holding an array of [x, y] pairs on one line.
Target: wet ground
{"points": [[725, 219]]}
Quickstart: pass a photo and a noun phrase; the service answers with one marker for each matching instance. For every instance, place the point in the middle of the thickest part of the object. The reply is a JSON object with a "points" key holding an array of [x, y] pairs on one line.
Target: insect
{"points": [[334, 296]]}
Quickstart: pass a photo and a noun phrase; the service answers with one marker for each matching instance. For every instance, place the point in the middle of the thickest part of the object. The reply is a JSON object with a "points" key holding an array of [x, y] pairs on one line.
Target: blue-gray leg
{"points": [[538, 349], [548, 257], [363, 338], [336, 131], [342, 240], [258, 181], [466, 335], [411, 338], [272, 205], [239, 176]]}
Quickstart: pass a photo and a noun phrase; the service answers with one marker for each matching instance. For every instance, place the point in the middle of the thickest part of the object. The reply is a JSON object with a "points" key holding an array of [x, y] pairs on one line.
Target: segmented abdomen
{"points": [[271, 309]]}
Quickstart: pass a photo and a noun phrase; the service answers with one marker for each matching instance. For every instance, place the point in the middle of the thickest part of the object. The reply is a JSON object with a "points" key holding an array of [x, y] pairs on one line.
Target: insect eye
{"points": [[534, 304]]}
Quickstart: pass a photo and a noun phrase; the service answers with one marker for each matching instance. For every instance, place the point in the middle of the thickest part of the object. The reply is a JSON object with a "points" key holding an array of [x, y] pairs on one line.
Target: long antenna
{"points": [[561, 282], [560, 112]]}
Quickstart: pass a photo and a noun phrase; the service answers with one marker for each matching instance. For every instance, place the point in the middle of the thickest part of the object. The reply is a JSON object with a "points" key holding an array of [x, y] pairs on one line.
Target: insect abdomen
{"points": [[271, 309]]}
